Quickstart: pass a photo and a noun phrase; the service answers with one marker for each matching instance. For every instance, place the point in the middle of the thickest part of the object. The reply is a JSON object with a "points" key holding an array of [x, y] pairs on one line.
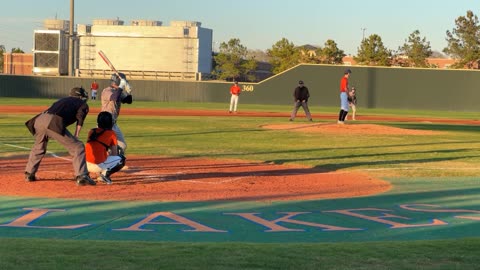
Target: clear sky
{"points": [[257, 23]]}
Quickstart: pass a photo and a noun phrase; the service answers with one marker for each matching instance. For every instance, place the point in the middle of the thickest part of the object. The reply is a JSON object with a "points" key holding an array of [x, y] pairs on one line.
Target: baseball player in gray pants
{"points": [[113, 97]]}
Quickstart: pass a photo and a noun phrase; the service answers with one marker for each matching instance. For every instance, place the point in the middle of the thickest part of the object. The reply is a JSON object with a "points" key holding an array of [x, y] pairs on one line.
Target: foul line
{"points": [[48, 152]]}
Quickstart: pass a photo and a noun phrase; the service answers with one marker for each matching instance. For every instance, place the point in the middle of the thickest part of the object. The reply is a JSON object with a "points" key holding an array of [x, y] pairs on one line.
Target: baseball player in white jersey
{"points": [[113, 97]]}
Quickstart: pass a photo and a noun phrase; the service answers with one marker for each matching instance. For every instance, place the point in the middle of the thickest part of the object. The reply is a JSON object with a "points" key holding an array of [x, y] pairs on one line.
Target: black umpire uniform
{"points": [[53, 124], [301, 96]]}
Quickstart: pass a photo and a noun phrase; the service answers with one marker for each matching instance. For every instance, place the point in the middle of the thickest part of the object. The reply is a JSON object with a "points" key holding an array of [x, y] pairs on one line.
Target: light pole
{"points": [[363, 33], [215, 46], [71, 35]]}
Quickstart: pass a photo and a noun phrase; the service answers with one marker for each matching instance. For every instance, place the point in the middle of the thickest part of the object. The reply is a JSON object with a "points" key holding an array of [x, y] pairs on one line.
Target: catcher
{"points": [[101, 150]]}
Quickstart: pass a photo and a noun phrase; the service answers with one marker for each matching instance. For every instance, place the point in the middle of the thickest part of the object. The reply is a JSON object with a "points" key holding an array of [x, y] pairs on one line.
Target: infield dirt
{"points": [[153, 178]]}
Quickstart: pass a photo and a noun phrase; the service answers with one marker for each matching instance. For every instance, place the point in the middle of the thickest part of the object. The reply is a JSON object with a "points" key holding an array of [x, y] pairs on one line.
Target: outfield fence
{"points": [[377, 87]]}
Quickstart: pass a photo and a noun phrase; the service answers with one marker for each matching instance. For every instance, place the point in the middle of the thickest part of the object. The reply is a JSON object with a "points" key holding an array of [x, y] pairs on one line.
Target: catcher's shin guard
{"points": [[121, 151], [117, 168]]}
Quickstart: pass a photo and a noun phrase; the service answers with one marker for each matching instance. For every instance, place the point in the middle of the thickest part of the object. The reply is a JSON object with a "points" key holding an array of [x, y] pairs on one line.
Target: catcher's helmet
{"points": [[79, 92], [105, 120], [116, 80]]}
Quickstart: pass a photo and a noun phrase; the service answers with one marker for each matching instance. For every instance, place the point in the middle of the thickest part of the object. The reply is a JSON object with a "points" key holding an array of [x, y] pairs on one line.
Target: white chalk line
{"points": [[48, 152]]}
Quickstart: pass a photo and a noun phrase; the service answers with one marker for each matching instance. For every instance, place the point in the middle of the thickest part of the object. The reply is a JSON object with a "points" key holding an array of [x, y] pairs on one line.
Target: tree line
{"points": [[234, 61]]}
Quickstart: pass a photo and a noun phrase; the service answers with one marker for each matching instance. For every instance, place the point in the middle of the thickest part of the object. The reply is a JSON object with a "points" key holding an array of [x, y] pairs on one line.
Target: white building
{"points": [[145, 49]]}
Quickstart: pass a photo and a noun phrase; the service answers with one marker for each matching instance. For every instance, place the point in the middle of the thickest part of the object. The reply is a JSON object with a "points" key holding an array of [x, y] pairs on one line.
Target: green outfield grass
{"points": [[453, 152], [37, 254]]}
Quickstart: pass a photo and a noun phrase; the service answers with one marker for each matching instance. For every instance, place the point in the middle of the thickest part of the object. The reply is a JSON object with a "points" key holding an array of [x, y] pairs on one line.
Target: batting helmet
{"points": [[115, 79], [105, 120], [79, 92]]}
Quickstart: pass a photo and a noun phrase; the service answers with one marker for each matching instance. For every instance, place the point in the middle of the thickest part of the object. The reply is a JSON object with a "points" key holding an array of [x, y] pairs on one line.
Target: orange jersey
{"points": [[235, 90], [344, 84], [94, 86], [95, 152]]}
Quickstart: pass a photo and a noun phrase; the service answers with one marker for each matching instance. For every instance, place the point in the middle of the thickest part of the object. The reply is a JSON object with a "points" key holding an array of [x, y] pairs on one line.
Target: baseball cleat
{"points": [[30, 177], [85, 179], [105, 179]]}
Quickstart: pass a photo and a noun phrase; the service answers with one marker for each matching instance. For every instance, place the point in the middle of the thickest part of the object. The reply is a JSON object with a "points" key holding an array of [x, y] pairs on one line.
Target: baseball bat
{"points": [[108, 62]]}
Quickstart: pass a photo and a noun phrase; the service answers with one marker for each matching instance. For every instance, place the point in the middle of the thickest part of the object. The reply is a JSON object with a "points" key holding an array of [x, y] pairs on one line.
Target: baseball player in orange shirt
{"points": [[93, 89], [344, 97], [101, 150], [235, 91]]}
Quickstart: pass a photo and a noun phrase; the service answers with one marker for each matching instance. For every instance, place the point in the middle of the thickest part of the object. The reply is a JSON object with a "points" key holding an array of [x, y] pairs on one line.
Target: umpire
{"points": [[301, 96], [53, 124]]}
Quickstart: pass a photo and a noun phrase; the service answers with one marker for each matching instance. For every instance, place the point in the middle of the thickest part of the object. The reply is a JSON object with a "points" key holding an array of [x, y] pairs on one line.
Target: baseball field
{"points": [[205, 189]]}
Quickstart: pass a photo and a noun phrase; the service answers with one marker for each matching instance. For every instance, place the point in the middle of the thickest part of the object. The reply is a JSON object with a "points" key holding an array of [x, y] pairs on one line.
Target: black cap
{"points": [[347, 71], [79, 92]]}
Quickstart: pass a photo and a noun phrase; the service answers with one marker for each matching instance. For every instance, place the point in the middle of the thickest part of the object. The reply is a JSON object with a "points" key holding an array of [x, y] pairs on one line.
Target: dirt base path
{"points": [[170, 179]]}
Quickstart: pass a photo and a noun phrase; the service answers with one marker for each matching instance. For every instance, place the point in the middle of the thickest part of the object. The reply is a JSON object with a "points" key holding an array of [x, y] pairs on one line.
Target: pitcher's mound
{"points": [[350, 129]]}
